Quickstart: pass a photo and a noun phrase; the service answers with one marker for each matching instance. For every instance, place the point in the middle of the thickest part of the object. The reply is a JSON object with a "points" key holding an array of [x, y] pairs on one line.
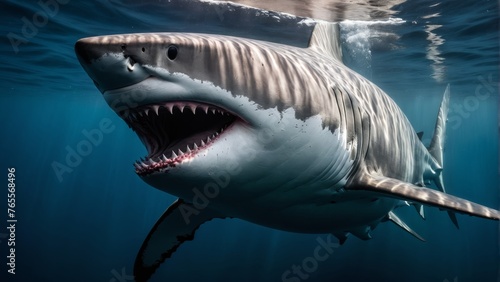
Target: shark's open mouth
{"points": [[175, 131]]}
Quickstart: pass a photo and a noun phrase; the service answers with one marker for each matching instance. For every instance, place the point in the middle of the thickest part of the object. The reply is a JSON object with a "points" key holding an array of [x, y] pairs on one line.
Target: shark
{"points": [[281, 136]]}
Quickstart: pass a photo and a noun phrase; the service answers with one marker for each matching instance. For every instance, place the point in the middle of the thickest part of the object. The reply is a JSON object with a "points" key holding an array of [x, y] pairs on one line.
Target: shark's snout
{"points": [[175, 116], [109, 63]]}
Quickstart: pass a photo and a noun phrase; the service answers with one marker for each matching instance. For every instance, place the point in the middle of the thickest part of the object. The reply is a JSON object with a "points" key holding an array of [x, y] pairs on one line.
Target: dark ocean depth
{"points": [[87, 223]]}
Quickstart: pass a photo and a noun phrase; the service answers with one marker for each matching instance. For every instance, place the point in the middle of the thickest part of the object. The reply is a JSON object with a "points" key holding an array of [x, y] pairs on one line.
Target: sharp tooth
{"points": [[137, 165], [163, 158], [133, 115], [169, 107], [205, 108], [140, 113], [181, 108], [144, 165], [155, 108], [174, 155], [152, 162], [208, 139], [222, 130], [146, 112], [213, 111], [216, 134], [193, 109], [195, 147], [202, 143], [180, 152], [188, 150]]}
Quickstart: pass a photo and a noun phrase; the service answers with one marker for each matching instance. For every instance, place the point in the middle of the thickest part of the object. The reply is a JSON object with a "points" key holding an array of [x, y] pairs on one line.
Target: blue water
{"points": [[88, 224]]}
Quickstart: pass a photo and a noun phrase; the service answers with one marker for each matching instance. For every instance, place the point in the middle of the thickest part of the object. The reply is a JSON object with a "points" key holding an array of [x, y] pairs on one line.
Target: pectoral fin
{"points": [[177, 225], [406, 191]]}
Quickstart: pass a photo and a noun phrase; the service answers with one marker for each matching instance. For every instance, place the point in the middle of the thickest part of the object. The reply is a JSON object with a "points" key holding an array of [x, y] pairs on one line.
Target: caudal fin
{"points": [[437, 145]]}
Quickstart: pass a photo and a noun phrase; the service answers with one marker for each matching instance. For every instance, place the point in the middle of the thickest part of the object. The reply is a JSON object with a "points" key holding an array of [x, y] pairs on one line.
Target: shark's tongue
{"points": [[175, 130]]}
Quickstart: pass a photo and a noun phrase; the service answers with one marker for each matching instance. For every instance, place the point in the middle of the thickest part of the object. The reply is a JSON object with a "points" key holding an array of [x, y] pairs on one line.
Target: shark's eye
{"points": [[172, 52]]}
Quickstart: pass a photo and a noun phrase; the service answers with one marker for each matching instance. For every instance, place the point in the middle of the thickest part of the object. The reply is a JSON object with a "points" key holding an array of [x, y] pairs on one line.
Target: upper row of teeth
{"points": [[171, 106]]}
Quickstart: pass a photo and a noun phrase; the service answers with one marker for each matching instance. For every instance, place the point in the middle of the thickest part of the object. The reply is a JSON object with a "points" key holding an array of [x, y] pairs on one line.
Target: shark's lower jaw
{"points": [[174, 132]]}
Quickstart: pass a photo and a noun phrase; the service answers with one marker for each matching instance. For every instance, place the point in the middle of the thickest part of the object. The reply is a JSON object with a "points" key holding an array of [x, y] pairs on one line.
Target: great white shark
{"points": [[281, 136]]}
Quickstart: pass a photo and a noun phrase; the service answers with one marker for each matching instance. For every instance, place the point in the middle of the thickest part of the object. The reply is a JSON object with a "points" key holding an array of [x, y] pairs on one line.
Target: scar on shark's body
{"points": [[340, 156]]}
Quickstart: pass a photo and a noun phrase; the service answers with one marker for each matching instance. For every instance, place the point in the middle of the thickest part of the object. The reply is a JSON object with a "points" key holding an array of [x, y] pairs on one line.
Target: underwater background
{"points": [[88, 223]]}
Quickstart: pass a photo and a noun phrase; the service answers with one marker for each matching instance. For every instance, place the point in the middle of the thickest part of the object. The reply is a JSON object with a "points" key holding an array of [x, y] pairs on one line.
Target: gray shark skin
{"points": [[281, 136]]}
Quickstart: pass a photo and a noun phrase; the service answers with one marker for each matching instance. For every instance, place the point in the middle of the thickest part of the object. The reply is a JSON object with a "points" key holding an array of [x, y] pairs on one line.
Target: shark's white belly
{"points": [[285, 184], [347, 212]]}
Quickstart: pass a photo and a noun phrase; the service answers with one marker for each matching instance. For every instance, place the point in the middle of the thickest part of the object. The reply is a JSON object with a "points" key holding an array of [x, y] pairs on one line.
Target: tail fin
{"points": [[325, 39], [437, 145]]}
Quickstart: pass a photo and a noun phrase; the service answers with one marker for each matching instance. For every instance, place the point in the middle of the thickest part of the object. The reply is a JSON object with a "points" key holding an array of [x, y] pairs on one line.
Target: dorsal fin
{"points": [[325, 39]]}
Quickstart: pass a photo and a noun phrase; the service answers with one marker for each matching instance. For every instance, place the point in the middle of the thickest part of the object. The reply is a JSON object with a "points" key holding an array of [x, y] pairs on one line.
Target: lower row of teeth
{"points": [[139, 165]]}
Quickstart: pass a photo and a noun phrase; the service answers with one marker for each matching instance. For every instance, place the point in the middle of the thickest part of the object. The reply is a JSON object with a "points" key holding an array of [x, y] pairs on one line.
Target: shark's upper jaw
{"points": [[174, 132]]}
